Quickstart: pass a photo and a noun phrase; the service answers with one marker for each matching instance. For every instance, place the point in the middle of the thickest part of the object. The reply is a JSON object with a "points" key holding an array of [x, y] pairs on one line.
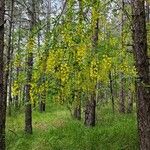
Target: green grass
{"points": [[56, 130]]}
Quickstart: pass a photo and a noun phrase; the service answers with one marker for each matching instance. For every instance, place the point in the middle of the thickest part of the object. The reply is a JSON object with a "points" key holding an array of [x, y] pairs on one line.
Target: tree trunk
{"points": [[111, 91], [42, 104], [2, 98], [90, 111], [77, 109], [91, 104], [122, 87], [16, 98], [28, 108], [147, 11], [77, 112], [130, 102], [122, 96], [142, 65], [8, 76], [9, 92]]}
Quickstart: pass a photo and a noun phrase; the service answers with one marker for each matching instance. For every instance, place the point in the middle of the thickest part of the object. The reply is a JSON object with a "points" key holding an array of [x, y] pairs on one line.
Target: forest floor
{"points": [[56, 130]]}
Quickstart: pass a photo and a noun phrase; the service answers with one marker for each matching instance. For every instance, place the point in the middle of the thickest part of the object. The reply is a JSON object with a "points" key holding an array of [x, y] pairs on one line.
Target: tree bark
{"points": [[122, 96], [9, 55], [142, 65], [111, 92], [77, 112], [130, 102], [90, 111], [28, 106], [42, 104], [77, 109], [122, 87], [2, 98]]}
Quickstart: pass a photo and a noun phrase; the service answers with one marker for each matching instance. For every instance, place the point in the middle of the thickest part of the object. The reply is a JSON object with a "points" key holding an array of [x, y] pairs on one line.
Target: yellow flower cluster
{"points": [[15, 88], [59, 54], [17, 61], [81, 52], [124, 67], [51, 63], [30, 44], [64, 72], [106, 64], [33, 92], [128, 70], [93, 70]]}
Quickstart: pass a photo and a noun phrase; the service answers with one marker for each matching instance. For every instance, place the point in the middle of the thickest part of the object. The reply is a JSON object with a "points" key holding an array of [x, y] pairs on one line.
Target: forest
{"points": [[74, 75]]}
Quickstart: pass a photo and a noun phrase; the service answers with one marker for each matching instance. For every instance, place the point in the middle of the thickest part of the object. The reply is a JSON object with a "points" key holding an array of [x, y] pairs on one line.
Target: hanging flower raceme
{"points": [[30, 44], [15, 88], [81, 53], [94, 70], [128, 69], [64, 72], [51, 62], [105, 66]]}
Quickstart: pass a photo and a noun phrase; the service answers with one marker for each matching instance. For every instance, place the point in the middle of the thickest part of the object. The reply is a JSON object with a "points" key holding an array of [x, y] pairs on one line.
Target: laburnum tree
{"points": [[79, 63]]}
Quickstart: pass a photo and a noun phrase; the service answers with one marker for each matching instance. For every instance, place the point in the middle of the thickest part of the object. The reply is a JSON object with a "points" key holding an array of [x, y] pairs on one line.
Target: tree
{"points": [[122, 89], [2, 98], [77, 109], [142, 65], [28, 109], [90, 111], [8, 71]]}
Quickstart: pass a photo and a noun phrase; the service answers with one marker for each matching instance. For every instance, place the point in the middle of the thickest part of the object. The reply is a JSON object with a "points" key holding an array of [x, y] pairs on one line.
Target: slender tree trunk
{"points": [[130, 102], [42, 106], [147, 11], [122, 96], [111, 91], [77, 112], [10, 99], [16, 98], [49, 7], [9, 93], [43, 100], [28, 108], [122, 87], [90, 110], [77, 109], [8, 59], [142, 65], [20, 97], [2, 98]]}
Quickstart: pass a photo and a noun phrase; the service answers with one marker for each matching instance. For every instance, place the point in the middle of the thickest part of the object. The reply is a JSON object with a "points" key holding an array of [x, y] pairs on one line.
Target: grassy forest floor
{"points": [[56, 130]]}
